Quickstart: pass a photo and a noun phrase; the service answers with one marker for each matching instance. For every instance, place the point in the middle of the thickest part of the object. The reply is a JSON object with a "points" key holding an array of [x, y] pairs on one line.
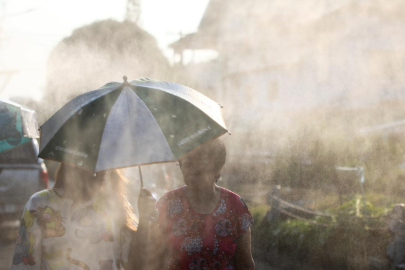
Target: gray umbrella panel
{"points": [[202, 102], [51, 127], [184, 125], [131, 135]]}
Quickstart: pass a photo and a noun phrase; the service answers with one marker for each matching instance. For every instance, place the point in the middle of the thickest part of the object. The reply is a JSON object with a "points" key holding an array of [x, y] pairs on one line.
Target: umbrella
{"points": [[17, 125], [130, 124]]}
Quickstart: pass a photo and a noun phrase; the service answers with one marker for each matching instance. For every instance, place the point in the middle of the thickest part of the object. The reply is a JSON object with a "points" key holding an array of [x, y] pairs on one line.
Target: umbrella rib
{"points": [[126, 93], [102, 135]]}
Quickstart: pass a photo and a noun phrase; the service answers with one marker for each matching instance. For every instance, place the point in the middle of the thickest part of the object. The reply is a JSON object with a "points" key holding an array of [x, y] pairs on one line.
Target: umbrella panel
{"points": [[131, 135], [184, 127], [84, 131], [53, 124]]}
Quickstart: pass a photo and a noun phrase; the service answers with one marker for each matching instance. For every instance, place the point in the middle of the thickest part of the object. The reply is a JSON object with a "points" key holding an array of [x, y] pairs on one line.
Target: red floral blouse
{"points": [[202, 241]]}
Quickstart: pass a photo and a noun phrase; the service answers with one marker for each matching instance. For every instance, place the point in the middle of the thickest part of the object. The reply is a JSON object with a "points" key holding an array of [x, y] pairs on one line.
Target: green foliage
{"points": [[259, 213], [323, 241]]}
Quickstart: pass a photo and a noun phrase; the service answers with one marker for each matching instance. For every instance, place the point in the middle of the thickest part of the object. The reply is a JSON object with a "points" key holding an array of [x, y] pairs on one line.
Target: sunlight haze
{"points": [[29, 30]]}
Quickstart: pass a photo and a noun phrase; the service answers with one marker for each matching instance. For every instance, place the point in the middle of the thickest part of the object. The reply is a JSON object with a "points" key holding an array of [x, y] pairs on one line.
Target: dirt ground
{"points": [[8, 235]]}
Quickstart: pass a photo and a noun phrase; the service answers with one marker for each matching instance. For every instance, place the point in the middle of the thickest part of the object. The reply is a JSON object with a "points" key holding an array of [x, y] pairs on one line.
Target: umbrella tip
{"points": [[125, 79]]}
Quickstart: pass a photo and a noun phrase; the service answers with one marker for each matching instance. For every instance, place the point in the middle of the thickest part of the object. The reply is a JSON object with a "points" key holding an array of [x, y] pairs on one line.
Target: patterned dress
{"points": [[56, 233], [202, 241]]}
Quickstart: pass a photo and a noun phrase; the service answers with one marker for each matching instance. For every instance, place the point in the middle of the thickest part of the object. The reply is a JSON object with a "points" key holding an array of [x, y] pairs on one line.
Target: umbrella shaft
{"points": [[140, 175]]}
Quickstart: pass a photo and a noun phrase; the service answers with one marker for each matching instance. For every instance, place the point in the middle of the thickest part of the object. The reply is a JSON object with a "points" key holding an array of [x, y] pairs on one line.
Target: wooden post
{"points": [[273, 215], [398, 229]]}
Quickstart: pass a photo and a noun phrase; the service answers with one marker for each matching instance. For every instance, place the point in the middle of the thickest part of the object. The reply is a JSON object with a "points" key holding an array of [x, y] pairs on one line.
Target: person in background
{"points": [[202, 225], [83, 222]]}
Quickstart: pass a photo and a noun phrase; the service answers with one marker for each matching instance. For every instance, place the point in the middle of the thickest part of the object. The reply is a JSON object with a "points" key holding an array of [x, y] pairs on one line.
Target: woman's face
{"points": [[84, 181], [76, 173], [197, 171]]}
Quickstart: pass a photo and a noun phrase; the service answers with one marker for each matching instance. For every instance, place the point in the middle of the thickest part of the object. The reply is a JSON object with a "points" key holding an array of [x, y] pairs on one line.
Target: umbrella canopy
{"points": [[17, 125], [129, 124]]}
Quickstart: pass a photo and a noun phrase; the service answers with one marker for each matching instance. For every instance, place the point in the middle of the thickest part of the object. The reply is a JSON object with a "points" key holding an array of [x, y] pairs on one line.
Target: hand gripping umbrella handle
{"points": [[140, 175]]}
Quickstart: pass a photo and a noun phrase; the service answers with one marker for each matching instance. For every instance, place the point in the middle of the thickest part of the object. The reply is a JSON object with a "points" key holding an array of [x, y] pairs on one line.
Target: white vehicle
{"points": [[21, 172], [21, 175]]}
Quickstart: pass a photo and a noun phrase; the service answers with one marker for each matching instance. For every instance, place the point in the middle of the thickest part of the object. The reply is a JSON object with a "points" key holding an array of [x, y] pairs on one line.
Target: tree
{"points": [[98, 53]]}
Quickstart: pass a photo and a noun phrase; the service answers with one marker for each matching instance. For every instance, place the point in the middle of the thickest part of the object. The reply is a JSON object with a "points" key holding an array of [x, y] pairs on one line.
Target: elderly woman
{"points": [[83, 222], [202, 225]]}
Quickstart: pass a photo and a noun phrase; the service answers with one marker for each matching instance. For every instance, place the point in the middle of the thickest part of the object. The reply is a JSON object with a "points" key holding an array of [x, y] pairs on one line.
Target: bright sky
{"points": [[31, 28]]}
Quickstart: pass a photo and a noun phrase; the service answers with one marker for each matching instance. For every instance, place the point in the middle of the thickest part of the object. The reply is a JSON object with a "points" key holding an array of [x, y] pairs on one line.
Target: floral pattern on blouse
{"points": [[192, 244], [202, 241], [179, 227], [55, 233], [221, 209], [175, 207], [223, 227]]}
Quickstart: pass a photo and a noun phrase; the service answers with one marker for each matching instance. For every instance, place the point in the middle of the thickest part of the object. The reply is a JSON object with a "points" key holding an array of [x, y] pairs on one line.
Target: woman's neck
{"points": [[201, 193], [76, 195], [203, 200], [81, 193]]}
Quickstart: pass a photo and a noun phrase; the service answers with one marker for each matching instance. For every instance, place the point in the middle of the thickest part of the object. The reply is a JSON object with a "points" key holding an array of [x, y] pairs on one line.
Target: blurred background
{"points": [[313, 91]]}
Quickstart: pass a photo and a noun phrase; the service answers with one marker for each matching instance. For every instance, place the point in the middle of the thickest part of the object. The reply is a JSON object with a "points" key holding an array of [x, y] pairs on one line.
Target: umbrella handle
{"points": [[140, 175]]}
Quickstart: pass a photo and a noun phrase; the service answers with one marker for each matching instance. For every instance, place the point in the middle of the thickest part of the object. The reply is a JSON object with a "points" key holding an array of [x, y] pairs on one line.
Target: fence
{"points": [[393, 222]]}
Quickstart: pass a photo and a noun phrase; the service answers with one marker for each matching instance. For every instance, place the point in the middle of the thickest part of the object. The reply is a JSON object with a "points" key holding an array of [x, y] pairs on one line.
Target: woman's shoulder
{"points": [[43, 197], [230, 194], [238, 205], [175, 193], [234, 198]]}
